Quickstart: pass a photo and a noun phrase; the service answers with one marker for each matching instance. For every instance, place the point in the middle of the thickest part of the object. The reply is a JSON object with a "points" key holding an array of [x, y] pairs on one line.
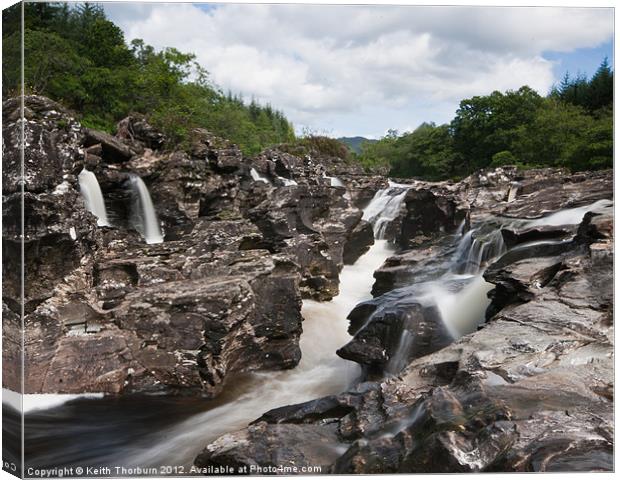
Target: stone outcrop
{"points": [[531, 390], [221, 295]]}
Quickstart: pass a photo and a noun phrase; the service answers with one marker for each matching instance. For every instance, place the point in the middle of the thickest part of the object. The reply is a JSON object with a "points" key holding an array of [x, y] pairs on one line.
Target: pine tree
{"points": [[601, 87]]}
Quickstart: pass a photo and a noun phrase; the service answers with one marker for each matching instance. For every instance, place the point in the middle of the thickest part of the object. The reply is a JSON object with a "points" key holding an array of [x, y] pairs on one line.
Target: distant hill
{"points": [[355, 143]]}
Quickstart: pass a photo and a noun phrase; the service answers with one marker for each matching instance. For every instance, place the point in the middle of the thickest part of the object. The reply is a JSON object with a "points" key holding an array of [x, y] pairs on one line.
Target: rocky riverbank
{"points": [[530, 389], [106, 312], [488, 345]]}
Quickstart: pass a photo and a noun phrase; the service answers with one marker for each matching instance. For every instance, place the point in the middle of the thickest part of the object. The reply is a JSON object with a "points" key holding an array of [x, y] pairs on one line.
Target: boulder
{"points": [[112, 149]]}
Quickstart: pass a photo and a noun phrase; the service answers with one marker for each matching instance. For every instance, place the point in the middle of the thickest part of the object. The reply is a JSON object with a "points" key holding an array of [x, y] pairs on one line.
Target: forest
{"points": [[75, 55], [572, 127]]}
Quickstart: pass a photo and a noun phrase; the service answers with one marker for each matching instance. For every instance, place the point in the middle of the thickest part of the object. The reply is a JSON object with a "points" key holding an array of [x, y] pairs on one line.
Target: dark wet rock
{"points": [[175, 317], [513, 237], [11, 342], [427, 215], [314, 224], [52, 137], [362, 188], [113, 150], [530, 391], [135, 130], [359, 242], [390, 338], [557, 190], [222, 156], [420, 264], [260, 445]]}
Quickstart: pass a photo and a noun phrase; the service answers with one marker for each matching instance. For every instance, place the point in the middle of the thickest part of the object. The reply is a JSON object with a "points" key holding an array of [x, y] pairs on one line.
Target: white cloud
{"points": [[324, 65]]}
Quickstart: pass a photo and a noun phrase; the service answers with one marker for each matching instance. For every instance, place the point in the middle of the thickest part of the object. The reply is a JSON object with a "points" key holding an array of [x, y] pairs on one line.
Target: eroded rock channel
{"points": [[282, 310]]}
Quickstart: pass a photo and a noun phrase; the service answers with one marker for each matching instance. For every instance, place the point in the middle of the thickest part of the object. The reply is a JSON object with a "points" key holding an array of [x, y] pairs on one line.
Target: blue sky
{"points": [[361, 70], [584, 60]]}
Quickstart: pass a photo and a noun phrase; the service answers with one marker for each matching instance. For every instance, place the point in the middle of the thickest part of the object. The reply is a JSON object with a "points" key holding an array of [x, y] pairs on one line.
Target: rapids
{"points": [[159, 430]]}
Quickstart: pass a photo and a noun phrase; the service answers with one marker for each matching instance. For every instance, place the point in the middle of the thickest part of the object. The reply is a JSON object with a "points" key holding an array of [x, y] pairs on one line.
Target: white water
{"points": [[463, 311], [333, 181], [91, 191], [287, 181], [320, 372], [33, 402], [512, 192], [257, 177], [572, 216], [385, 207], [143, 215]]}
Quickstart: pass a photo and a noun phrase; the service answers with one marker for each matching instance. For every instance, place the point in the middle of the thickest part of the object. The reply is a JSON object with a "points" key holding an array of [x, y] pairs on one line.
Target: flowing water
{"points": [[333, 181], [143, 215], [257, 177], [151, 431], [288, 182], [385, 207], [91, 191]]}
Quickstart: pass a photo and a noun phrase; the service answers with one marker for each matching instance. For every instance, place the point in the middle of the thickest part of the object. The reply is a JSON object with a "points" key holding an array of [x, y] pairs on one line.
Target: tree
{"points": [[601, 87], [485, 125]]}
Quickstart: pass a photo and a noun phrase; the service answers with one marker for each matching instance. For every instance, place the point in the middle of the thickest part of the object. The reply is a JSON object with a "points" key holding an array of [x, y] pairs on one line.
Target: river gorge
{"points": [[199, 308]]}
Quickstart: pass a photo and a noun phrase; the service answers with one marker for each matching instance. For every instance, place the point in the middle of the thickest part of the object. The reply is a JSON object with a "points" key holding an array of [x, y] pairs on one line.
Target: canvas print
{"points": [[247, 239]]}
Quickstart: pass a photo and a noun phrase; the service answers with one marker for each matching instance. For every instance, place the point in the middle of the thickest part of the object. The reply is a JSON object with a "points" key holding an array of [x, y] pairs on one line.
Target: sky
{"points": [[361, 70]]}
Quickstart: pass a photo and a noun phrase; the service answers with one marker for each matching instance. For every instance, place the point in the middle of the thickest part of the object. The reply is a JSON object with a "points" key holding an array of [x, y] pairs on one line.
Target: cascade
{"points": [[460, 292], [287, 181], [257, 177], [385, 207], [110, 426], [143, 216], [320, 372], [333, 181], [91, 191]]}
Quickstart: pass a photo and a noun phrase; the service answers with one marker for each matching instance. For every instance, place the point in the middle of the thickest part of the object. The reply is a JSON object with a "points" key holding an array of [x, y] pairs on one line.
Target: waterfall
{"points": [[288, 182], [333, 181], [475, 249], [385, 207], [572, 216], [143, 216], [320, 372], [130, 431], [513, 191], [257, 177], [91, 191]]}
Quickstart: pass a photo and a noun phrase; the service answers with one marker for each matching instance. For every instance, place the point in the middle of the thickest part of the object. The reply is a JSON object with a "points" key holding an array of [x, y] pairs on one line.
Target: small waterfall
{"points": [[320, 372], [91, 191], [513, 191], [257, 177], [475, 249], [572, 216], [287, 181], [143, 216], [333, 181], [385, 207], [398, 360]]}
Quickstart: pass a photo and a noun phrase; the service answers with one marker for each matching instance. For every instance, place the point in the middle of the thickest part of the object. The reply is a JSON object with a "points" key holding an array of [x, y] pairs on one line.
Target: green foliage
{"points": [[315, 145], [591, 95], [426, 152], [77, 56], [572, 128], [504, 157], [355, 143]]}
